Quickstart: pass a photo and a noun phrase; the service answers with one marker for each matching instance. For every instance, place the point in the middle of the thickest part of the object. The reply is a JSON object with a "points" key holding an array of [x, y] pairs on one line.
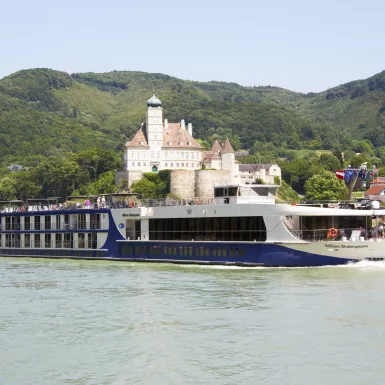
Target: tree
{"points": [[330, 162], [7, 188], [104, 185], [144, 187], [58, 176], [325, 186]]}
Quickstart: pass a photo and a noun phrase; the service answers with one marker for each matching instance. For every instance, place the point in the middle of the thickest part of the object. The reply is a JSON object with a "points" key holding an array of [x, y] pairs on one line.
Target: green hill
{"points": [[45, 112]]}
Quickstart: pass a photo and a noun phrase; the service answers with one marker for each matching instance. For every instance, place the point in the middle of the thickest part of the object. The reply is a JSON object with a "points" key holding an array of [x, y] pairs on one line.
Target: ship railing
{"points": [[351, 204], [173, 202], [344, 234]]}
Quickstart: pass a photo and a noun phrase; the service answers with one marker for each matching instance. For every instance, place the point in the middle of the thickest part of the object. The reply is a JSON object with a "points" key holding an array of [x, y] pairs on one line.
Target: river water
{"points": [[86, 322]]}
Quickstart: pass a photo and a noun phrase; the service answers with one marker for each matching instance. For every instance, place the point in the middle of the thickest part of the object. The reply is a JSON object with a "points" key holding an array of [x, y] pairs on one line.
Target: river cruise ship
{"points": [[239, 225]]}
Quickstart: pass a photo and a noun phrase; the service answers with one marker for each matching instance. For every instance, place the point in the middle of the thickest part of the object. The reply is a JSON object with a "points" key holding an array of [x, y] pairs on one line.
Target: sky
{"points": [[301, 45]]}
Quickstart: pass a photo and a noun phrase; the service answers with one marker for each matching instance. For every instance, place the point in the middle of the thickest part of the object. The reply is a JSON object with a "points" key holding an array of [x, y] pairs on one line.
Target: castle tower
{"points": [[228, 156], [154, 123]]}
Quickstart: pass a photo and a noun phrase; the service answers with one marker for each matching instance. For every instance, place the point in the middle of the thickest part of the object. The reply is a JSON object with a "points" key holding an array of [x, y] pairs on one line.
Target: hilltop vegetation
{"points": [[47, 113]]}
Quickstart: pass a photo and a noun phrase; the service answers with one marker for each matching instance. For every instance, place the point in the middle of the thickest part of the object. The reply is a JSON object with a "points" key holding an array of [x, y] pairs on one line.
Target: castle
{"points": [[160, 145]]}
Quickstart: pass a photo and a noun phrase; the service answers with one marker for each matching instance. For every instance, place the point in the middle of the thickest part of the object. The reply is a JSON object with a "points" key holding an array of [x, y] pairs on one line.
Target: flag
{"points": [[340, 174], [362, 174], [349, 175]]}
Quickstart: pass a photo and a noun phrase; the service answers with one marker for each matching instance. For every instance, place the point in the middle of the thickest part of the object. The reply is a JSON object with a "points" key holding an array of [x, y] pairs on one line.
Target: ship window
{"points": [[95, 221], [58, 243], [47, 222], [47, 240], [37, 238], [94, 240], [27, 240], [27, 223], [81, 240], [68, 241], [233, 191], [208, 229], [37, 222], [218, 192]]}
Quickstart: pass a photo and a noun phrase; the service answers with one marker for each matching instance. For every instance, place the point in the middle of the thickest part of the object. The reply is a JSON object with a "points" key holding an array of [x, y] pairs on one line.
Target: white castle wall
{"points": [[228, 161]]}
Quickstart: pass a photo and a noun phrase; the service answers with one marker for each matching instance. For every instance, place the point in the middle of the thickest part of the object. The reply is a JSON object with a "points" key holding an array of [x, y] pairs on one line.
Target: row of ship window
{"points": [[48, 241], [182, 251], [53, 253], [52, 222]]}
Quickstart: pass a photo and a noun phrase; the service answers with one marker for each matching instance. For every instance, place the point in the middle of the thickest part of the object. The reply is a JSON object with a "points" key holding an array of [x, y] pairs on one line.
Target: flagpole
{"points": [[351, 187]]}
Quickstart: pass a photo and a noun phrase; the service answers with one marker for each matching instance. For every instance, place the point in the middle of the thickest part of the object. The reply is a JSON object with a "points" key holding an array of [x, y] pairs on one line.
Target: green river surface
{"points": [[104, 322]]}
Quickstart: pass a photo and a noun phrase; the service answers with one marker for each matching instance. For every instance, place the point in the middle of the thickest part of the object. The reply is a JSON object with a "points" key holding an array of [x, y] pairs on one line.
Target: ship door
{"points": [[138, 229], [130, 229]]}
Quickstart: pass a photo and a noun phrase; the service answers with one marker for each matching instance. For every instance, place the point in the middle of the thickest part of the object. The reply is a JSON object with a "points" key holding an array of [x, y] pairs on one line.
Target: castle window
{"points": [[188, 144], [144, 163], [133, 163], [166, 165], [182, 164], [197, 164], [177, 165], [141, 143], [169, 143], [180, 143], [139, 164], [152, 154], [158, 154], [172, 164]]}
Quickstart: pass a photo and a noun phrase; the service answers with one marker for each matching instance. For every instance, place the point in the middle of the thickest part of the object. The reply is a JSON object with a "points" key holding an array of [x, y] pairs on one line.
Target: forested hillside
{"points": [[45, 113]]}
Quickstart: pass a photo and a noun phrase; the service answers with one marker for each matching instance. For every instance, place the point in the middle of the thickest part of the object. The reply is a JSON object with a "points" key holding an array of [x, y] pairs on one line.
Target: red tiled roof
{"points": [[227, 148], [375, 190], [207, 155], [139, 140], [216, 147], [175, 136], [378, 181]]}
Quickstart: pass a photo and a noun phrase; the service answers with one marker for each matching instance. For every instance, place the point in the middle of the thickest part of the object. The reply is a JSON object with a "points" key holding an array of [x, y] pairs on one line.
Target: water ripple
{"points": [[83, 322]]}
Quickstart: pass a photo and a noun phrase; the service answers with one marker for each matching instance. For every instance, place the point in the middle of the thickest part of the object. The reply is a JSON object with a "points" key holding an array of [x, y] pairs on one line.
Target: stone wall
{"points": [[133, 176], [182, 183], [205, 180], [200, 183]]}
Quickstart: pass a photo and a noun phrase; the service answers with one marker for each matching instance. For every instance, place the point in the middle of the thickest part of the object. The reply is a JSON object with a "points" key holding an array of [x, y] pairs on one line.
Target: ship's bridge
{"points": [[246, 194]]}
